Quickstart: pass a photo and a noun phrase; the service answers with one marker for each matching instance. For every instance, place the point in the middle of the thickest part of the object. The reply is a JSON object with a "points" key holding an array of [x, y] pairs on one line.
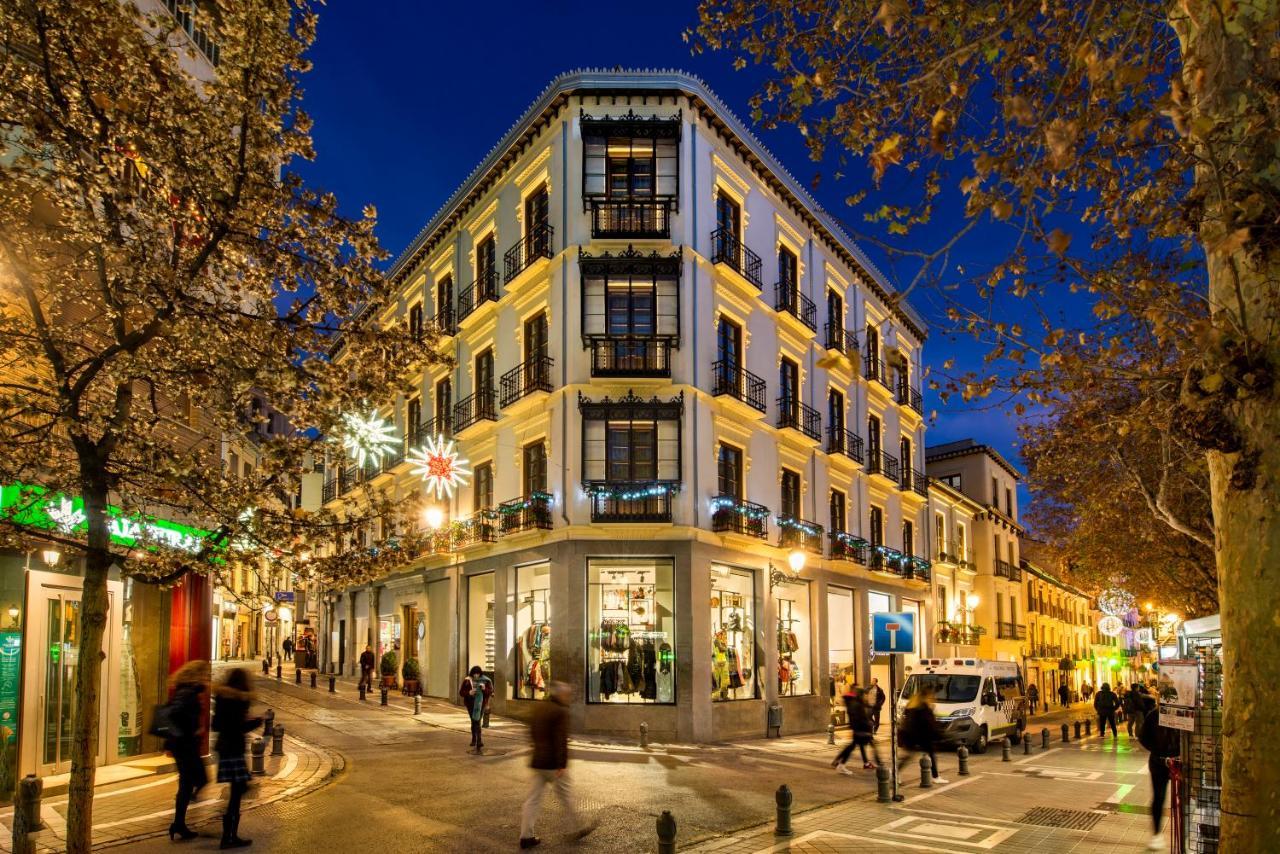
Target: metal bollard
{"points": [[962, 759], [417, 704], [666, 833], [269, 722], [384, 696], [884, 791], [784, 800], [277, 740], [831, 733], [1066, 733], [644, 734], [266, 666], [362, 691], [297, 677], [313, 679], [332, 684], [1044, 737], [1077, 730], [1005, 749], [279, 672], [1088, 727], [257, 753], [26, 814], [1026, 744], [926, 772]]}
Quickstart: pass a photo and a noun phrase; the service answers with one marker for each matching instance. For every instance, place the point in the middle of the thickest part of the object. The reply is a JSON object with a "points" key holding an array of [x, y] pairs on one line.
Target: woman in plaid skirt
{"points": [[231, 722]]}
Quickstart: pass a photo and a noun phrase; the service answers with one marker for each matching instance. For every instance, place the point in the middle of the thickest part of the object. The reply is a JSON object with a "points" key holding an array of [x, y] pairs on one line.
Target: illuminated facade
{"points": [[674, 375]]}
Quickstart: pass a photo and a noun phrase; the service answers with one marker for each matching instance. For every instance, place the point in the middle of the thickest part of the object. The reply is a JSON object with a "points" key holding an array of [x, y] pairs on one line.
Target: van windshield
{"points": [[947, 688]]}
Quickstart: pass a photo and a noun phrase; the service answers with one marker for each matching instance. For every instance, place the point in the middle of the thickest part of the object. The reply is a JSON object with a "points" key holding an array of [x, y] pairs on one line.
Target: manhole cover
{"points": [[1054, 817]]}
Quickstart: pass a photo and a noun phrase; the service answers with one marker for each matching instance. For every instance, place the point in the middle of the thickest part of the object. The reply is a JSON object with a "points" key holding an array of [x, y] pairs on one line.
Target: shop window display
{"points": [[733, 630], [841, 658], [532, 653], [794, 671], [631, 630]]}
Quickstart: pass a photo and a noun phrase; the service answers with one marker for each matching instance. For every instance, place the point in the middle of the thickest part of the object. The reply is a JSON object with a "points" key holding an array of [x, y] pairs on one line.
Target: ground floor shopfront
{"points": [[690, 638]]}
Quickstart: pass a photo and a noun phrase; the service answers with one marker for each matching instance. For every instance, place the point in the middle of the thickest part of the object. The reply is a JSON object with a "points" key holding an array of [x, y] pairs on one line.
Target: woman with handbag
{"points": [[232, 723], [182, 739]]}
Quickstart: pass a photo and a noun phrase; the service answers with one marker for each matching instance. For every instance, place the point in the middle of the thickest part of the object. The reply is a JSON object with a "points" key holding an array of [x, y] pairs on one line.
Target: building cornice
{"points": [[931, 456]]}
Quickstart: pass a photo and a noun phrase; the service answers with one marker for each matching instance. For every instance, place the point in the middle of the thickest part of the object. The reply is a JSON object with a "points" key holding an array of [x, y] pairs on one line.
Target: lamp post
{"points": [[795, 564]]}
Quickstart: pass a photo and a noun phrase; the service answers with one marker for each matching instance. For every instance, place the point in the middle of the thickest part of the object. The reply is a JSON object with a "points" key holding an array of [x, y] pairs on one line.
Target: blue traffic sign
{"points": [[893, 633], [284, 596]]}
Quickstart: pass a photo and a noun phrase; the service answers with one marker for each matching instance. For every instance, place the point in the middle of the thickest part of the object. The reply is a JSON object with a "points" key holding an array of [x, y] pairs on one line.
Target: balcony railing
{"points": [[727, 249], [735, 381], [445, 321], [349, 477], [873, 369], [1011, 631], [441, 425], [1004, 569], [650, 218], [907, 396], [787, 298], [840, 339], [479, 527], [845, 546], [483, 289], [796, 533], [527, 513], [734, 515], [526, 378], [883, 463], [481, 406], [630, 356], [1048, 651], [798, 416], [536, 244], [329, 491], [963, 635], [914, 480], [620, 501], [842, 441]]}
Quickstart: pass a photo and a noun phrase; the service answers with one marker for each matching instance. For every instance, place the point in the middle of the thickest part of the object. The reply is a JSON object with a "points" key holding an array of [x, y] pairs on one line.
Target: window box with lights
{"points": [[738, 516], [797, 533]]}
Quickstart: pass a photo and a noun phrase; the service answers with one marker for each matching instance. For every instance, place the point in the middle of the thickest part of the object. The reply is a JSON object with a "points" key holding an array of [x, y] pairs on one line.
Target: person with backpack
{"points": [[1105, 703], [178, 723], [232, 723], [475, 692], [919, 732], [855, 704], [1163, 743]]}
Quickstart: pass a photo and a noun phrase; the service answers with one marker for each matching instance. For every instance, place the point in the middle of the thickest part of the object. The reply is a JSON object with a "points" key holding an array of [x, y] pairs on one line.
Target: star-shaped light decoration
{"points": [[368, 437], [437, 462]]}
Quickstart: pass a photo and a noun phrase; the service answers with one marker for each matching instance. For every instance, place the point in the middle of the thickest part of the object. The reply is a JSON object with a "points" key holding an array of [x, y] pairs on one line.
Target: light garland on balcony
{"points": [[849, 539], [537, 499], [807, 528], [368, 437], [437, 462], [628, 492], [724, 502]]}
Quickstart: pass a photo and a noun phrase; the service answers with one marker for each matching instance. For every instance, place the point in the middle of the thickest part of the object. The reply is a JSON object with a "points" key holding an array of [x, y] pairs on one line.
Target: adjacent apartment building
{"points": [[693, 420]]}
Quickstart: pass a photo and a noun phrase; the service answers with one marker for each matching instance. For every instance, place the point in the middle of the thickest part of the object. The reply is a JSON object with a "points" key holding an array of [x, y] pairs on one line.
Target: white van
{"points": [[977, 701]]}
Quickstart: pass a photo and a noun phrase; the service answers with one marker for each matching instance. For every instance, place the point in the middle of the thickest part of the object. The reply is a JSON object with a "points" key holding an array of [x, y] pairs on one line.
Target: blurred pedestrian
{"points": [[1064, 695], [1086, 691], [179, 723], [549, 731], [287, 646], [475, 692], [1133, 709], [919, 732], [232, 723], [366, 667], [1164, 743], [875, 699], [855, 704], [1033, 697], [1105, 704]]}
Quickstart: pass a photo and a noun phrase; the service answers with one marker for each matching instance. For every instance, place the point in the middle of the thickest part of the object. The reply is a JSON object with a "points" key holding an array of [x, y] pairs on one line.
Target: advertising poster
{"points": [[10, 683], [1176, 694]]}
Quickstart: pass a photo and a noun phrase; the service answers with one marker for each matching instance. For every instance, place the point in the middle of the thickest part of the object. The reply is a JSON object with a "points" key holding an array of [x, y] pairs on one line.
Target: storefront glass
{"points": [[795, 668], [631, 630], [142, 665], [435, 660], [531, 653], [878, 603], [480, 622], [733, 634], [841, 659]]}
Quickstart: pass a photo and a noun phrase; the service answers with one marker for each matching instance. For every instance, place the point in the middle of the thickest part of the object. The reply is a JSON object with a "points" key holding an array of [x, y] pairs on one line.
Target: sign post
{"points": [[893, 634]]}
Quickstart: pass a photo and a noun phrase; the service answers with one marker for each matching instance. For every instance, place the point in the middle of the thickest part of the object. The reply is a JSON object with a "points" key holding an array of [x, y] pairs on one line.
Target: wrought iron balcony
{"points": [[479, 527], [798, 416], [1011, 631], [536, 244], [526, 378], [727, 249], [481, 406], [914, 480], [349, 478], [787, 298], [873, 369], [439, 426], [730, 514], [842, 441], [445, 321], [329, 491], [958, 634], [625, 501], [845, 546], [907, 396], [840, 339], [796, 533], [885, 559], [483, 289], [736, 381], [883, 463], [630, 356], [527, 513], [1004, 569], [642, 218]]}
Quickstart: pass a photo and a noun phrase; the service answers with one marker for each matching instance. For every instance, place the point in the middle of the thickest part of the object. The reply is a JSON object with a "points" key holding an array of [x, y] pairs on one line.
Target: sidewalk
{"points": [[127, 811]]}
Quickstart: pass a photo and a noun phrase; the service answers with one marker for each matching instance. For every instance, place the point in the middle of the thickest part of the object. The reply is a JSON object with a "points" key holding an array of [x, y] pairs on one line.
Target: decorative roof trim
{"points": [[974, 449]]}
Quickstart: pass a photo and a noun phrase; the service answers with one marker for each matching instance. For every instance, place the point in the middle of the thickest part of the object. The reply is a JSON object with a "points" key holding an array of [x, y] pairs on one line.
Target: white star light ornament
{"points": [[368, 437], [438, 463]]}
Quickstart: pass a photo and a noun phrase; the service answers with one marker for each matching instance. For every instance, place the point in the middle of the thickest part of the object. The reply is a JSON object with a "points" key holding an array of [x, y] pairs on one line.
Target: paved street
{"points": [[408, 783]]}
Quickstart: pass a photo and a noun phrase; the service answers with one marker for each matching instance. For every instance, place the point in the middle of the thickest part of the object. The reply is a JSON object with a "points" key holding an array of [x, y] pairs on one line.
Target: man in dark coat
{"points": [[549, 731], [1164, 743], [287, 646], [875, 699], [1064, 695], [366, 667], [1105, 703]]}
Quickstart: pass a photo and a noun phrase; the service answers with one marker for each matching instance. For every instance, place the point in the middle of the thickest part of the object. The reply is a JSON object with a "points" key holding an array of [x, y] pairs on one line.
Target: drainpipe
{"points": [[693, 225], [564, 323]]}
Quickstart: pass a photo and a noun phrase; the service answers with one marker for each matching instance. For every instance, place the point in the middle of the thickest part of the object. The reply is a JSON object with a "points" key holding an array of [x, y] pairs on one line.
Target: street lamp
{"points": [[434, 518], [50, 557], [795, 564]]}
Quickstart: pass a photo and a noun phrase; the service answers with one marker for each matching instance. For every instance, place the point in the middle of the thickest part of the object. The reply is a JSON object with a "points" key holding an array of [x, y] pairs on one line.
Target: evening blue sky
{"points": [[409, 97]]}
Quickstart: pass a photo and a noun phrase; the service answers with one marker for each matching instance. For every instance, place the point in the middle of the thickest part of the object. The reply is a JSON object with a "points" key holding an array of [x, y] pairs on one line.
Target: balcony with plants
{"points": [[530, 512], [958, 633], [848, 547], [796, 533], [731, 515]]}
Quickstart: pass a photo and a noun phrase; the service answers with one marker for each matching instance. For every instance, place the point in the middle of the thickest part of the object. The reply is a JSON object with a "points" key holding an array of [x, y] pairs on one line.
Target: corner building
{"points": [[674, 375]]}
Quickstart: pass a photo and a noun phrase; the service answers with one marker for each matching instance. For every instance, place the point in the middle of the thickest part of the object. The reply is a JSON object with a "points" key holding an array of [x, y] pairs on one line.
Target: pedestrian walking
{"points": [[919, 732], [549, 731], [1133, 709], [287, 646], [1064, 695], [1033, 697], [366, 667], [179, 723], [232, 723], [1087, 691], [875, 699], [1164, 744], [475, 692], [1105, 704], [860, 725]]}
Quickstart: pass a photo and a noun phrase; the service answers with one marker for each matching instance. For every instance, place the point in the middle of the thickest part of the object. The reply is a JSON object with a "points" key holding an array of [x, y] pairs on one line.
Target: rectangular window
{"points": [[940, 533], [413, 418], [877, 526], [841, 655], [534, 468], [1008, 503], [835, 310], [791, 493], [795, 674], [535, 337], [444, 403], [486, 258], [908, 539], [484, 371], [729, 343], [995, 493], [789, 383], [444, 296], [632, 451], [531, 602], [733, 634], [728, 215], [962, 549], [482, 491], [838, 513], [631, 635], [951, 480], [630, 306], [788, 266], [873, 343], [873, 438], [621, 168], [835, 413], [415, 321], [729, 471]]}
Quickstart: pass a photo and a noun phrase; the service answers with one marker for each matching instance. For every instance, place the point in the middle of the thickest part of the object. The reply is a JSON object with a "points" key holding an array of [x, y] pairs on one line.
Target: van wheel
{"points": [[980, 744]]}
